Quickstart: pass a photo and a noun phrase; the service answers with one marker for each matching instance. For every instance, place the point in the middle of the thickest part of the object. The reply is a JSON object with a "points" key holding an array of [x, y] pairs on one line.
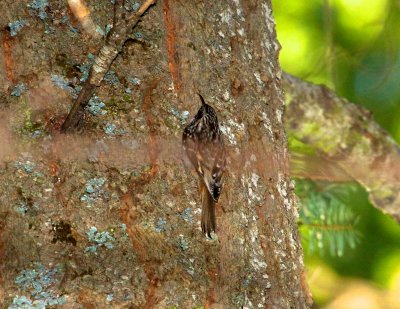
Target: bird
{"points": [[203, 145]]}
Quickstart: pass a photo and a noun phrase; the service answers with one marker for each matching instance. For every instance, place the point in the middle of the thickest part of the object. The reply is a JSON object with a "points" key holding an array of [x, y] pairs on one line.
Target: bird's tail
{"points": [[208, 224]]}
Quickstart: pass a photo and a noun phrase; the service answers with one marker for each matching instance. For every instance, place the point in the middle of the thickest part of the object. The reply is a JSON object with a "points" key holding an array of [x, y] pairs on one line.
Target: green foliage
{"points": [[327, 223], [358, 57], [351, 47]]}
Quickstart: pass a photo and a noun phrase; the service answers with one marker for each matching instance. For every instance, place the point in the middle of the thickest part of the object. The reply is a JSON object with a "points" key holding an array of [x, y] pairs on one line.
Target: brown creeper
{"points": [[204, 146]]}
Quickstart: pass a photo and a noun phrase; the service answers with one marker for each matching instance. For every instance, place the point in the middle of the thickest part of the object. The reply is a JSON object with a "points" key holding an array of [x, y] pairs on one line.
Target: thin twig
{"points": [[105, 57], [114, 13], [82, 14], [143, 8]]}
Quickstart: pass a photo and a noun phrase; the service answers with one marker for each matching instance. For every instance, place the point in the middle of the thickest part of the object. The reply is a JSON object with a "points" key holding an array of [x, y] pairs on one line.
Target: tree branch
{"points": [[347, 137], [105, 57]]}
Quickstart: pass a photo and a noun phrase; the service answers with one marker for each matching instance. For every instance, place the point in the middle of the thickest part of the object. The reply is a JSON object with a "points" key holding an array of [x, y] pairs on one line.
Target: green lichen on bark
{"points": [[347, 135]]}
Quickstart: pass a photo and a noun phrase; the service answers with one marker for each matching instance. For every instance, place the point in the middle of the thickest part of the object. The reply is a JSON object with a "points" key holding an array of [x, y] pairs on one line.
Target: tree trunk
{"points": [[131, 183]]}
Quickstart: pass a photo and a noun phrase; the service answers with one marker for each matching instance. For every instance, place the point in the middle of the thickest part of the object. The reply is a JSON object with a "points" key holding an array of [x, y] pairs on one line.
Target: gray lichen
{"points": [[16, 26], [85, 67], [183, 243], [110, 128], [94, 190], [96, 106], [160, 225], [131, 5], [40, 8], [27, 166], [64, 84], [187, 215], [134, 80], [99, 239], [19, 89], [40, 282], [112, 79], [182, 116]]}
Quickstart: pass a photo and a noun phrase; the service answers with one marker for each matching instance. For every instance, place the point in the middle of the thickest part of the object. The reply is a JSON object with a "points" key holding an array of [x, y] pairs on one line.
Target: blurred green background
{"points": [[353, 47]]}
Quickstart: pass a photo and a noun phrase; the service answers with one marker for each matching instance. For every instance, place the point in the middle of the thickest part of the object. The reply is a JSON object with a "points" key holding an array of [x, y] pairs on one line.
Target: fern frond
{"points": [[326, 222]]}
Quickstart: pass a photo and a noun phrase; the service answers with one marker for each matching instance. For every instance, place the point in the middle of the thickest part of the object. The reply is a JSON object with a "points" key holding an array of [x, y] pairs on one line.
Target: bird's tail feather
{"points": [[208, 224]]}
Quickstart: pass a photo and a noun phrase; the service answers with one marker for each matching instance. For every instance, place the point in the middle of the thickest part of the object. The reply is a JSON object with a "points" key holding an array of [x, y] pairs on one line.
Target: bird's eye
{"points": [[214, 175]]}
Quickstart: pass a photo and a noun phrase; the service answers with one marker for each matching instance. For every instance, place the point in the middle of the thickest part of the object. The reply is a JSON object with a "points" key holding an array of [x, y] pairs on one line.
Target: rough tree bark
{"points": [[117, 212], [113, 45]]}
